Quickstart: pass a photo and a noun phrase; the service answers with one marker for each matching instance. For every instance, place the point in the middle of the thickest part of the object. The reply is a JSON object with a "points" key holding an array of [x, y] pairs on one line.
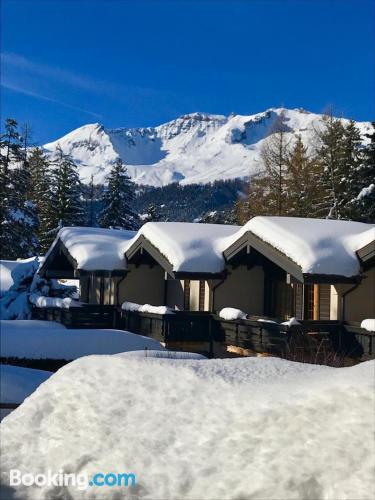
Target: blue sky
{"points": [[141, 63]]}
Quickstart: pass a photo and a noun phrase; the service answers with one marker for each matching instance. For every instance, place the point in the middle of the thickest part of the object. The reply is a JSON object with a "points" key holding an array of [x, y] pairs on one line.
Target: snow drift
{"points": [[36, 339], [260, 428]]}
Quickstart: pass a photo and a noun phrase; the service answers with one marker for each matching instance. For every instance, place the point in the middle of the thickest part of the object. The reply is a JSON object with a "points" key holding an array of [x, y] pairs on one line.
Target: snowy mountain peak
{"points": [[194, 148]]}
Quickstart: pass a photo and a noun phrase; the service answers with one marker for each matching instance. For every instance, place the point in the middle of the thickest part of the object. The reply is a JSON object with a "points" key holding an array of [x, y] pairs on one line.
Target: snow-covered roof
{"points": [[188, 247], [95, 248], [317, 246]]}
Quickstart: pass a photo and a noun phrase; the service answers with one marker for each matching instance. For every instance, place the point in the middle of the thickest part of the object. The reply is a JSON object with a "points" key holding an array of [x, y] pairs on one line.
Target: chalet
{"points": [[177, 264], [282, 267], [276, 268], [94, 256], [311, 269]]}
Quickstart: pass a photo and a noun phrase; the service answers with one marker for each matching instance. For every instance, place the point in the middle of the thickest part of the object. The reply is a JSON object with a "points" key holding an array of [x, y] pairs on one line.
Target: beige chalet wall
{"points": [[194, 295], [243, 289], [360, 303], [143, 285]]}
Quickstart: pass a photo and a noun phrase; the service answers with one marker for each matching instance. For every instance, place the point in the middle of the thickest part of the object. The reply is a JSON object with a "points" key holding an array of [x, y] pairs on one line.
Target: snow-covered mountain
{"points": [[194, 148]]}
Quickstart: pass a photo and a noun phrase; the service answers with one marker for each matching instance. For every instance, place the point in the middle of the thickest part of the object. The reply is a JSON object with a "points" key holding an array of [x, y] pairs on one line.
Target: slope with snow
{"points": [[261, 428], [194, 148]]}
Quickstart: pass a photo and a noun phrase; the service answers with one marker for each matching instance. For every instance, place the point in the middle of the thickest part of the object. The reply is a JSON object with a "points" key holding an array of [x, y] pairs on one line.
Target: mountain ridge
{"points": [[194, 148]]}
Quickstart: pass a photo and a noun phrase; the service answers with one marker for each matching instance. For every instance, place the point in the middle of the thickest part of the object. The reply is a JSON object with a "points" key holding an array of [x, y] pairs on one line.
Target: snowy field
{"points": [[255, 428], [35, 339]]}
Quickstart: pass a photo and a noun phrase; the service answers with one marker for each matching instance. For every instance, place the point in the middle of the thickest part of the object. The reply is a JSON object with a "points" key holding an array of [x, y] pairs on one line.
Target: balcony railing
{"points": [[203, 327]]}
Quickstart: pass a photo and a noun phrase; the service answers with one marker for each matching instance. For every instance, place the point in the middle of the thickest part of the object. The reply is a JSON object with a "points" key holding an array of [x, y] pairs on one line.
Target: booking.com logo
{"points": [[79, 481]]}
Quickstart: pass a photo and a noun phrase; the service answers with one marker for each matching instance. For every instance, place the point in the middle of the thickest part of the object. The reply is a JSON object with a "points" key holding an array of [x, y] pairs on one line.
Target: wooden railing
{"points": [[84, 316], [182, 326], [188, 326]]}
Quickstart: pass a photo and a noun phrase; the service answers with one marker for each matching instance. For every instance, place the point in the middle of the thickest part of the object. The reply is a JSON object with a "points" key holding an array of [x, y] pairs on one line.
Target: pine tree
{"points": [[90, 203], [331, 154], [302, 183], [274, 157], [66, 203], [28, 221], [364, 202], [152, 214], [349, 183], [41, 195], [118, 200], [18, 214], [10, 152]]}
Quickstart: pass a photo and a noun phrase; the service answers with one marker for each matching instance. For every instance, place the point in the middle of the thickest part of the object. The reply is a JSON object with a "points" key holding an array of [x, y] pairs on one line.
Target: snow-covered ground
{"points": [[194, 148], [17, 383], [46, 339], [260, 428]]}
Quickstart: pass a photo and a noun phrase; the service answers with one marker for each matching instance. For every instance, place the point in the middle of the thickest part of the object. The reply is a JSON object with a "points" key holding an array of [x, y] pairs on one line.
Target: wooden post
{"points": [[316, 311]]}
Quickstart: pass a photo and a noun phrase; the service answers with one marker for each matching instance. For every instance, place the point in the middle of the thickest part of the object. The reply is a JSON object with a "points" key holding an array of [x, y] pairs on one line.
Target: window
{"points": [[186, 295], [202, 293]]}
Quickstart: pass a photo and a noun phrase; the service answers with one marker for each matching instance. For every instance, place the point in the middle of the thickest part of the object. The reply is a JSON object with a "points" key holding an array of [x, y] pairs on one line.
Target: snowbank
{"points": [[46, 339], [161, 355], [368, 324], [187, 246], [41, 301], [95, 248], [261, 428], [146, 308], [318, 246], [230, 313], [17, 383]]}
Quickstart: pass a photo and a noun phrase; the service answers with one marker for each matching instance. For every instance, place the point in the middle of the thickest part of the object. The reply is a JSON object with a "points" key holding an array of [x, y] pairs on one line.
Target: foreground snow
{"points": [[46, 339], [260, 428]]}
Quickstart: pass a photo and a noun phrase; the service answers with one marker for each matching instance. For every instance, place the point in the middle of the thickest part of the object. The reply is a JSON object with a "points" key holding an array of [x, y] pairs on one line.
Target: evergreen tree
{"points": [[90, 200], [302, 182], [331, 154], [41, 195], [274, 157], [364, 202], [66, 203], [152, 214], [18, 214], [10, 152], [349, 184], [118, 200]]}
